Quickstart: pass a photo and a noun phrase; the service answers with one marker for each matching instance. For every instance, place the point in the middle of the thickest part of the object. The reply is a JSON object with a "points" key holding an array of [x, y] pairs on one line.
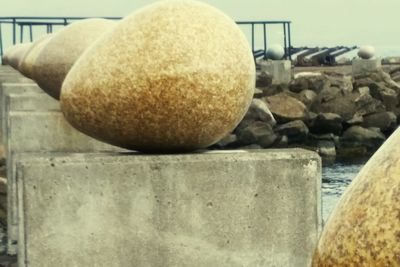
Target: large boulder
{"points": [[63, 50], [309, 81], [295, 130], [27, 62], [307, 97], [163, 80], [335, 100], [259, 111], [259, 133], [366, 104], [286, 108], [327, 123], [359, 136], [386, 121]]}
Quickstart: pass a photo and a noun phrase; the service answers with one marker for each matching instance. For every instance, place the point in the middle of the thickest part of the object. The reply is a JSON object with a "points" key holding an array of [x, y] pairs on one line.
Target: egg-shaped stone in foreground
{"points": [[63, 49], [15, 54], [364, 228], [174, 76], [26, 64]]}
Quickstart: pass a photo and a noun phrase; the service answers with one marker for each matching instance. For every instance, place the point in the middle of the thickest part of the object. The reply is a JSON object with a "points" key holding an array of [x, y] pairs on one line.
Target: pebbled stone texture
{"points": [[364, 228], [63, 49], [172, 77]]}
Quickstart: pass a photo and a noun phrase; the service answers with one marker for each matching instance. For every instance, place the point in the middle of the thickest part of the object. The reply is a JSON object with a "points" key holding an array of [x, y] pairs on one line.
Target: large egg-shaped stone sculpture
{"points": [[174, 76], [63, 49], [26, 64], [275, 52], [364, 228], [15, 54], [366, 52]]}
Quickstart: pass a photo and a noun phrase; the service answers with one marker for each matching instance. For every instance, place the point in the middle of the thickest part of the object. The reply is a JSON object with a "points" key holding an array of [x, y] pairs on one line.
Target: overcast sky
{"points": [[314, 22]]}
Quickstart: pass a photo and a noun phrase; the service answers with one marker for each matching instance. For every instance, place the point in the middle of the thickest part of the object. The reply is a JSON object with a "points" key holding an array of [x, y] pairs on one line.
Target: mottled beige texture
{"points": [[174, 76], [63, 49], [15, 54], [26, 64], [364, 228]]}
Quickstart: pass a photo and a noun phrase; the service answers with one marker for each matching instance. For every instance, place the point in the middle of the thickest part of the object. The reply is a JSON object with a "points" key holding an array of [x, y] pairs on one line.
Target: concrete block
{"points": [[362, 66], [13, 88], [281, 70], [29, 131], [232, 208]]}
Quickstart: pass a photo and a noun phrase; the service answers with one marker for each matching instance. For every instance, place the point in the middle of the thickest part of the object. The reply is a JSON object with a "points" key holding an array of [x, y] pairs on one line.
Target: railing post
{"points": [[21, 31], [284, 39], [290, 42], [14, 31], [1, 44], [252, 37], [265, 39], [30, 32]]}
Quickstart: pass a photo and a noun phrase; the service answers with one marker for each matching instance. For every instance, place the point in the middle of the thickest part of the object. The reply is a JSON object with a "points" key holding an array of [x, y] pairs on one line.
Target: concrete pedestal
{"points": [[363, 66], [33, 123], [281, 70], [259, 208]]}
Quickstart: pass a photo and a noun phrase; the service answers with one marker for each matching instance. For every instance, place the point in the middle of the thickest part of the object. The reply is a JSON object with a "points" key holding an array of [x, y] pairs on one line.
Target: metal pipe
{"points": [[21, 31], [284, 39], [290, 41], [30, 32], [252, 37], [265, 39], [14, 31]]}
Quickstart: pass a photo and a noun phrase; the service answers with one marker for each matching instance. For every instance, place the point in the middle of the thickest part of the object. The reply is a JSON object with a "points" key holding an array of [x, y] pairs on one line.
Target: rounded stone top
{"points": [[366, 52], [63, 49], [26, 64], [275, 52], [14, 54], [172, 77]]}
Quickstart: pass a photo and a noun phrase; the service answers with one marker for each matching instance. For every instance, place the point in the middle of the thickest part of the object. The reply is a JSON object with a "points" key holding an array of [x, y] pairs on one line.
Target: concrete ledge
{"points": [[259, 208], [28, 131], [13, 88]]}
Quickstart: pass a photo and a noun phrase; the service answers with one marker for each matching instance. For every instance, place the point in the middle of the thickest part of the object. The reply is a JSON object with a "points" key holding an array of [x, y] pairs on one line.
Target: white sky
{"points": [[314, 22]]}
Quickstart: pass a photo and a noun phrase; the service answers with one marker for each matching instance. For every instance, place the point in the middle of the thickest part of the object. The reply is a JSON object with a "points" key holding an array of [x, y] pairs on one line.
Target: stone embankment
{"points": [[332, 113]]}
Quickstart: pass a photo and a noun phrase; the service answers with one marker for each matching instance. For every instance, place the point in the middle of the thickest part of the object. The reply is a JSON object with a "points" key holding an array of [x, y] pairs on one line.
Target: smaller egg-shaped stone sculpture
{"points": [[175, 76], [63, 49], [364, 228], [366, 52], [15, 54], [26, 64], [275, 52]]}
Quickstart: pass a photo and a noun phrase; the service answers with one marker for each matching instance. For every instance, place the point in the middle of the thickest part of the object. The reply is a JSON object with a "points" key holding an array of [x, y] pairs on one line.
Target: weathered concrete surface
{"points": [[13, 88], [33, 131], [280, 70], [362, 66], [259, 208]]}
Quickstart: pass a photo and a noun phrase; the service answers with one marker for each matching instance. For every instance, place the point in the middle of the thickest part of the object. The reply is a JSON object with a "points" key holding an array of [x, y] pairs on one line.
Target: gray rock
{"points": [[309, 81], [227, 141], [295, 130], [264, 79], [358, 136], [259, 111], [307, 97], [366, 104], [385, 121], [259, 133], [286, 108], [326, 149], [327, 123], [334, 100]]}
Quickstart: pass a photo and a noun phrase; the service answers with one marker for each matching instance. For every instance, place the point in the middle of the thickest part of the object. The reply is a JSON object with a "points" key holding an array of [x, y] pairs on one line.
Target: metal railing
{"points": [[19, 24]]}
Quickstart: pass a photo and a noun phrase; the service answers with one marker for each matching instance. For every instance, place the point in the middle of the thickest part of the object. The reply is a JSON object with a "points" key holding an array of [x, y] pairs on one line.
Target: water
{"points": [[335, 179]]}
